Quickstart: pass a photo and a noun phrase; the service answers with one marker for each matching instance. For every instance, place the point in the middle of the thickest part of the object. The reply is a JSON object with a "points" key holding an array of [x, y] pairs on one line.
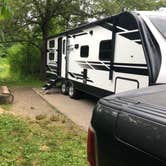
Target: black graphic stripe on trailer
{"points": [[86, 66], [79, 76], [108, 26], [133, 35], [101, 67], [107, 64], [129, 68], [131, 64], [93, 62]]}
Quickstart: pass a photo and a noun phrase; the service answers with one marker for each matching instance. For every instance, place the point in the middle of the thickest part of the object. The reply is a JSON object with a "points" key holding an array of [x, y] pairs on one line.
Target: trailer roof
{"points": [[83, 26], [98, 22]]}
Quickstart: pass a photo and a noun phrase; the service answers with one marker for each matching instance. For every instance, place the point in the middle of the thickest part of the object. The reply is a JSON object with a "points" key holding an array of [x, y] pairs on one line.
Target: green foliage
{"points": [[15, 79], [5, 14], [40, 143], [24, 60], [139, 5], [3, 52], [5, 11], [111, 7], [4, 68]]}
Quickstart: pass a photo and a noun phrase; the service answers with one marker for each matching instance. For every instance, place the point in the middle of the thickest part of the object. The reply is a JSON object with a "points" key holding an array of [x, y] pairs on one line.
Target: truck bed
{"points": [[131, 127]]}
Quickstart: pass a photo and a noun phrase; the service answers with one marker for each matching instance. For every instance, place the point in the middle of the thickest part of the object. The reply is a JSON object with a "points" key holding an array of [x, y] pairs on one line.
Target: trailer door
{"points": [[59, 57], [63, 57]]}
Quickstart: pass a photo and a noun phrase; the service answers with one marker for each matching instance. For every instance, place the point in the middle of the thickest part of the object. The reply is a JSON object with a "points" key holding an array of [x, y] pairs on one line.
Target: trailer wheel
{"points": [[64, 88], [73, 92]]}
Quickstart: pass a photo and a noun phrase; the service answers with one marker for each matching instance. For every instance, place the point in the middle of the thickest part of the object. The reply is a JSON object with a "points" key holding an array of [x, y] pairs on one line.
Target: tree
{"points": [[34, 21], [5, 13], [140, 5], [110, 7]]}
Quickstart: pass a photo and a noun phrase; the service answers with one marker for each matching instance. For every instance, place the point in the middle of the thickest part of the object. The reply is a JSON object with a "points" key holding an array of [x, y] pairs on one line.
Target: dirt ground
{"points": [[29, 104]]}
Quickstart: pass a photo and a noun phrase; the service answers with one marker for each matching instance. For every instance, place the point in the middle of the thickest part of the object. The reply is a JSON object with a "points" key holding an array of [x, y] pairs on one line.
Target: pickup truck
{"points": [[129, 129]]}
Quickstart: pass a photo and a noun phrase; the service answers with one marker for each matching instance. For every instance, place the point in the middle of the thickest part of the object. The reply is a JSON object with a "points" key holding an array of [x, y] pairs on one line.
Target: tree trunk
{"points": [[43, 62], [43, 53]]}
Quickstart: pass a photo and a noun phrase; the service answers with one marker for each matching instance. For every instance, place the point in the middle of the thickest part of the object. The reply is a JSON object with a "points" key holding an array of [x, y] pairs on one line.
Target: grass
{"points": [[6, 107], [45, 142], [14, 79]]}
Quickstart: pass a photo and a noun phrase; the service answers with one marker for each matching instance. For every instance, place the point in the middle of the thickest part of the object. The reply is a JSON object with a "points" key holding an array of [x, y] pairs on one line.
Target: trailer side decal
{"points": [[139, 69], [79, 76]]}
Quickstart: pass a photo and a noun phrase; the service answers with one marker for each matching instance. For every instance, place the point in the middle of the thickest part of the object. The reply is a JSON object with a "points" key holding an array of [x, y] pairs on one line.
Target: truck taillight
{"points": [[91, 148]]}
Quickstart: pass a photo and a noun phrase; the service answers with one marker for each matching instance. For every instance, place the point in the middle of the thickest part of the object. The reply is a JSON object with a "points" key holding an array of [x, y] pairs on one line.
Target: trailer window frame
{"points": [[84, 51], [51, 56], [52, 43], [102, 50], [64, 46]]}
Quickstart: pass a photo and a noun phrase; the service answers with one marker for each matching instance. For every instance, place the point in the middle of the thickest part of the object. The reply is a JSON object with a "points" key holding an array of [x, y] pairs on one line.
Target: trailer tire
{"points": [[72, 91], [64, 89]]}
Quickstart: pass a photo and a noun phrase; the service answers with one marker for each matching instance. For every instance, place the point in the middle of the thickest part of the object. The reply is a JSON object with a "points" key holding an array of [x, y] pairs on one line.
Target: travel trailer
{"points": [[115, 54]]}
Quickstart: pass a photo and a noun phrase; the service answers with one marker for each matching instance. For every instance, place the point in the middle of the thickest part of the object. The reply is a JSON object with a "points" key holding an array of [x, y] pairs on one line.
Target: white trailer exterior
{"points": [[119, 53]]}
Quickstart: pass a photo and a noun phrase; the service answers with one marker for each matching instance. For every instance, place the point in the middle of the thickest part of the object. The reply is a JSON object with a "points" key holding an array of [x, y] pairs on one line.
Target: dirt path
{"points": [[79, 111], [29, 104]]}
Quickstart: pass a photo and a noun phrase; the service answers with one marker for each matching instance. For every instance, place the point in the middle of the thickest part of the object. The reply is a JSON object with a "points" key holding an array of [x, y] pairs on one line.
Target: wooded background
{"points": [[25, 25]]}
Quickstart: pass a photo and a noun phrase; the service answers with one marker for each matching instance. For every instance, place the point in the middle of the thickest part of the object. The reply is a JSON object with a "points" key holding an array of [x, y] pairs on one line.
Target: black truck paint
{"points": [[130, 128]]}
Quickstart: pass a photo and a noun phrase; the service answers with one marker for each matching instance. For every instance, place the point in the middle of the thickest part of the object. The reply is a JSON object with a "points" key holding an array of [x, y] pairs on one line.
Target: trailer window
{"points": [[64, 44], [51, 56], [105, 50], [84, 51], [51, 43]]}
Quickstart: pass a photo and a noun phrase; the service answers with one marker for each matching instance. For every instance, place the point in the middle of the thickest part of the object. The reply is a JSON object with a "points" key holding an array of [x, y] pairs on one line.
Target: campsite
{"points": [[58, 58]]}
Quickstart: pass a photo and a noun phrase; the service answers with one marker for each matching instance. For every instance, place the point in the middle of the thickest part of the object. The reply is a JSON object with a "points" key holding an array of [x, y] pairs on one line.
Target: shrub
{"points": [[24, 59]]}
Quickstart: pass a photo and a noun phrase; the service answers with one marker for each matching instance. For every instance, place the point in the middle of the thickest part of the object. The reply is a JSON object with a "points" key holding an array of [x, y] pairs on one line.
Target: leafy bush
{"points": [[3, 52], [24, 59]]}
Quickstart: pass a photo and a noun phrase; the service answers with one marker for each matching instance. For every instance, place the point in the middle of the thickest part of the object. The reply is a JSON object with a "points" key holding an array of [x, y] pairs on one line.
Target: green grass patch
{"points": [[26, 81], [41, 143], [6, 107]]}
